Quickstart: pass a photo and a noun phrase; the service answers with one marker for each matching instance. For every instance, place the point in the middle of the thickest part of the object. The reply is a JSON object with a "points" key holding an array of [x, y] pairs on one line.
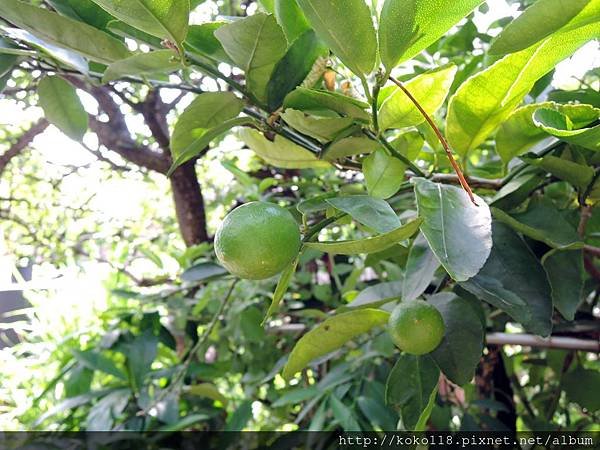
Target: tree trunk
{"points": [[189, 204]]}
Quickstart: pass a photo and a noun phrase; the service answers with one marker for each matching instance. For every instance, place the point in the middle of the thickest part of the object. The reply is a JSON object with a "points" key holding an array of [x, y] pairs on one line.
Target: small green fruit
{"points": [[416, 327]]}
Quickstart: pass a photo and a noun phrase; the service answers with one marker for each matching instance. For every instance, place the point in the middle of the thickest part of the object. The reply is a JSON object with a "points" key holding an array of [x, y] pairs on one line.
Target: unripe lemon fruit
{"points": [[257, 240], [416, 327]]}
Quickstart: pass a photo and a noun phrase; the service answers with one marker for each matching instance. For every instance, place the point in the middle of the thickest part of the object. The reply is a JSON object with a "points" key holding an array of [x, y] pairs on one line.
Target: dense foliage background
{"points": [[127, 136]]}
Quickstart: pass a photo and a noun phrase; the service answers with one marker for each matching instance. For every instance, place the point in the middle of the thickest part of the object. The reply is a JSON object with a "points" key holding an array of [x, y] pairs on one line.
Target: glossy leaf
{"points": [[514, 281], [519, 133], [408, 26], [578, 175], [384, 174], [372, 212], [84, 11], [330, 335], [64, 31], [377, 295], [255, 44], [310, 100], [149, 64], [291, 18], [207, 111], [486, 99], [62, 106], [410, 384], [201, 39], [409, 144], [538, 21], [430, 89], [565, 274], [420, 269], [323, 129], [561, 126], [166, 19], [347, 28], [293, 68], [282, 286], [281, 152], [350, 146], [459, 233], [460, 350], [542, 222], [368, 245]]}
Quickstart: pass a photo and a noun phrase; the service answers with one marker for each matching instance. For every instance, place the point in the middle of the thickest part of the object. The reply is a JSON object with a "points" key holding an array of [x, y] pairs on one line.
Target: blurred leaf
{"points": [[565, 274], [282, 152], [143, 64], [376, 413], [184, 423], [240, 417], [63, 31], [103, 414], [202, 271], [537, 22], [282, 286], [459, 233], [384, 174], [410, 384], [72, 403], [430, 89], [293, 68], [372, 212], [305, 99], [377, 295], [96, 361], [330, 335], [420, 269], [514, 281], [347, 28], [141, 353], [297, 395], [208, 390], [79, 381], [408, 26], [62, 106], [166, 19], [343, 414], [368, 245], [578, 385], [291, 18], [460, 350], [255, 44]]}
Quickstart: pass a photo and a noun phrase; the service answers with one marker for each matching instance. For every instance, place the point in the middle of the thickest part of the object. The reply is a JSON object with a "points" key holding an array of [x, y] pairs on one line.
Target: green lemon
{"points": [[416, 327], [257, 240]]}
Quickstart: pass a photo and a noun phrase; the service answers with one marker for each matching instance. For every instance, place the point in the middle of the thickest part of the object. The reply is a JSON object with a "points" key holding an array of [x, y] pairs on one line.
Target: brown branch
{"points": [[477, 182], [22, 142], [442, 139]]}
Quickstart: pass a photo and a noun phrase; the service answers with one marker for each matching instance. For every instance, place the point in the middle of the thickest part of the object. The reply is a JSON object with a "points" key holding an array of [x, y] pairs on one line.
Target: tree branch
{"points": [[22, 142]]}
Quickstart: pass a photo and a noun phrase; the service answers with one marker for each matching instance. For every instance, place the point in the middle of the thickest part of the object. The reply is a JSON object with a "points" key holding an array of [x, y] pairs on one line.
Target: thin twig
{"points": [[442, 139]]}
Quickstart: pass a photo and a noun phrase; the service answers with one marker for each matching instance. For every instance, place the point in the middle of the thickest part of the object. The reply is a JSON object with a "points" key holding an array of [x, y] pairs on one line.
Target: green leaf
{"points": [[140, 353], [384, 174], [514, 281], [368, 245], [410, 384], [346, 27], [311, 100], [578, 175], [542, 222], [517, 190], [96, 361], [349, 146], [208, 390], [207, 111], [64, 32], [565, 275], [184, 423], [561, 126], [430, 89], [143, 64], [486, 99], [458, 232], [323, 129], [203, 271], [519, 133], [420, 269], [291, 18], [282, 286], [460, 350], [166, 19], [376, 412], [343, 414], [377, 295], [281, 152], [538, 21], [102, 415], [62, 106], [84, 11], [293, 68], [201, 39], [298, 395], [255, 44], [330, 335], [240, 417], [579, 384], [409, 144], [408, 26], [372, 212]]}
